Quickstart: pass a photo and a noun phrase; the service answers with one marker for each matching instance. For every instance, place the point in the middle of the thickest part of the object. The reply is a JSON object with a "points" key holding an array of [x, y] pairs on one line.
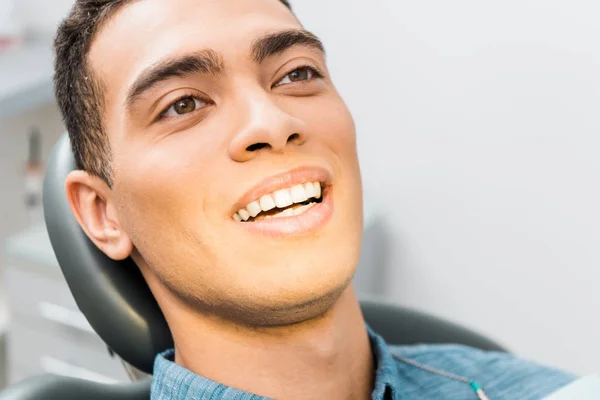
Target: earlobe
{"points": [[90, 200]]}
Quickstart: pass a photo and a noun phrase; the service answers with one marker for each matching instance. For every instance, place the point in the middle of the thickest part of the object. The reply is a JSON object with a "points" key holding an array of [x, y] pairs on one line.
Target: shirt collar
{"points": [[174, 382], [387, 379]]}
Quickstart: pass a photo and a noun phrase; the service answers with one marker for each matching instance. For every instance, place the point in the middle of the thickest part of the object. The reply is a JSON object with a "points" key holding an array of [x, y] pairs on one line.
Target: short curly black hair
{"points": [[78, 92]]}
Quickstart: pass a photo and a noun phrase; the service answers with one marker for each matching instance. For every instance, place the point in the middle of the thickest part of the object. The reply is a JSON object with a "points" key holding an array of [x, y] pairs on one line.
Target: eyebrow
{"points": [[205, 62], [210, 62], [276, 43]]}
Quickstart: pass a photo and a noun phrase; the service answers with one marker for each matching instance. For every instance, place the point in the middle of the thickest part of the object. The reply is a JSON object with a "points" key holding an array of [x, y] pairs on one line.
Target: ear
{"points": [[93, 207]]}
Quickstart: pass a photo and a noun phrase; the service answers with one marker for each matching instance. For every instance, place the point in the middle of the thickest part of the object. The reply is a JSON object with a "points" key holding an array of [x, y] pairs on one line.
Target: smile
{"points": [[296, 202], [287, 202]]}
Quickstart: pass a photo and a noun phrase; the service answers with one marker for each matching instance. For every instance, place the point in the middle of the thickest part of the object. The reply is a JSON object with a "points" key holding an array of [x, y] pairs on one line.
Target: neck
{"points": [[324, 358]]}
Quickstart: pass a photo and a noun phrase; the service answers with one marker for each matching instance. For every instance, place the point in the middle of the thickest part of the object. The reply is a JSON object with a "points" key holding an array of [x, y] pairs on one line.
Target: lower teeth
{"points": [[290, 212]]}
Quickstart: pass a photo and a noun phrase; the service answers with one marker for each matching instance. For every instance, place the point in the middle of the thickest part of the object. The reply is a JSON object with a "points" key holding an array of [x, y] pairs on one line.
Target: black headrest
{"points": [[112, 295]]}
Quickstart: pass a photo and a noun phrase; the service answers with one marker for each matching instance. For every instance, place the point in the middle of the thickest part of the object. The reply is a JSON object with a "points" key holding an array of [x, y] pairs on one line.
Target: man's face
{"points": [[210, 110]]}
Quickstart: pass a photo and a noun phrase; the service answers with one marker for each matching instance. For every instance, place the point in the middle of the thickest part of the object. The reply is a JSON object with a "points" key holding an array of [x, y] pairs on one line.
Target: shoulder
{"points": [[503, 376]]}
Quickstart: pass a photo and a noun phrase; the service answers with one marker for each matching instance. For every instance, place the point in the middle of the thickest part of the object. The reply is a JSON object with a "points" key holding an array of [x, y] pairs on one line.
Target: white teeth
{"points": [[301, 210], [267, 203], [317, 190], [254, 209], [244, 214], [286, 213], [299, 194], [283, 198], [310, 190]]}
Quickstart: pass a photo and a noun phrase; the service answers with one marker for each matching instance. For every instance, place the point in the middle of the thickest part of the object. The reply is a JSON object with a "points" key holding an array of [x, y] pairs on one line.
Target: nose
{"points": [[263, 127]]}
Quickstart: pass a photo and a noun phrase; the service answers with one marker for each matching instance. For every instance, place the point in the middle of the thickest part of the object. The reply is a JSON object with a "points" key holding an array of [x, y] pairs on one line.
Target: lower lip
{"points": [[311, 220]]}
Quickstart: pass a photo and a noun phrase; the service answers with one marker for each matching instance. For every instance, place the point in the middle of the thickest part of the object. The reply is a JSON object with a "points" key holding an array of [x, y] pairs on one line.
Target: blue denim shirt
{"points": [[503, 376]]}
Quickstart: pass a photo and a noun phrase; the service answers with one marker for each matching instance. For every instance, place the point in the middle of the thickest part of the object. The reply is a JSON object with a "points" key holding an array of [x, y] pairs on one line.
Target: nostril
{"points": [[257, 146], [293, 138]]}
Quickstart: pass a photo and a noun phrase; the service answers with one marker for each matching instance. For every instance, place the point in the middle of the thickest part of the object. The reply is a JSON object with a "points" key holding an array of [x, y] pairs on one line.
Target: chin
{"points": [[304, 290], [305, 298], [294, 310]]}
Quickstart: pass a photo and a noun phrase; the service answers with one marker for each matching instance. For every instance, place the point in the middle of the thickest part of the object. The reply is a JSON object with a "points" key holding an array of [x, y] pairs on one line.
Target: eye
{"points": [[301, 74], [184, 105]]}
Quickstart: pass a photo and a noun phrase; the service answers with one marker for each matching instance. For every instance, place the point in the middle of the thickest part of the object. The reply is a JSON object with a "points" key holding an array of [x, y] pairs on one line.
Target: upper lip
{"points": [[283, 180]]}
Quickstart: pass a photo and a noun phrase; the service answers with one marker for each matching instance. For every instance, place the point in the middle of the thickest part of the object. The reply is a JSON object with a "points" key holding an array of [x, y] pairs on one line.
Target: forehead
{"points": [[142, 32]]}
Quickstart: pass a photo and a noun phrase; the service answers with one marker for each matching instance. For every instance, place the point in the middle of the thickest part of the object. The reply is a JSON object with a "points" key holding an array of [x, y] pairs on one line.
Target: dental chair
{"points": [[119, 306]]}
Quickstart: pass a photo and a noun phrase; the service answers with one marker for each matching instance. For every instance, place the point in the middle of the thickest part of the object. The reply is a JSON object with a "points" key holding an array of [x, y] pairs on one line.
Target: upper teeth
{"points": [[280, 199]]}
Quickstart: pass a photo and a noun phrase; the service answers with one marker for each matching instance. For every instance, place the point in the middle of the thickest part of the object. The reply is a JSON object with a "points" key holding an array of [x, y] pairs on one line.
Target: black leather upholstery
{"points": [[112, 295], [119, 306], [404, 326]]}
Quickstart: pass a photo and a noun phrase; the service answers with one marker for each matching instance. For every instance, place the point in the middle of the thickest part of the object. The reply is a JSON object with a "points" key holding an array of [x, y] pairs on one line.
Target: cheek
{"points": [[334, 128], [165, 187], [332, 122]]}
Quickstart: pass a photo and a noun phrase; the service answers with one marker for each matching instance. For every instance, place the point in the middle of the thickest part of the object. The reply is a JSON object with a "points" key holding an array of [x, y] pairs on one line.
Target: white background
{"points": [[479, 128], [479, 131]]}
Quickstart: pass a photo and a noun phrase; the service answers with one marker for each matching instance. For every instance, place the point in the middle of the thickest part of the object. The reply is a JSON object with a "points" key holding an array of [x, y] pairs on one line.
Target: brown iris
{"points": [[185, 106], [301, 74]]}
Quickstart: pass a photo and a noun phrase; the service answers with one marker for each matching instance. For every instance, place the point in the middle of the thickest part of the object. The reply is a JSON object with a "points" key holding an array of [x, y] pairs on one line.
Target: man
{"points": [[214, 150]]}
